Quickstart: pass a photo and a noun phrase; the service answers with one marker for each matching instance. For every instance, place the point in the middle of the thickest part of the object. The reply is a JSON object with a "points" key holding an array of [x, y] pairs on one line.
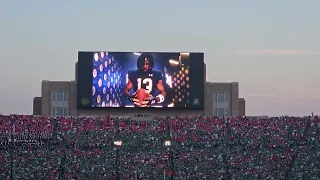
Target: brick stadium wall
{"points": [[237, 106], [48, 87], [231, 88], [37, 106], [242, 107]]}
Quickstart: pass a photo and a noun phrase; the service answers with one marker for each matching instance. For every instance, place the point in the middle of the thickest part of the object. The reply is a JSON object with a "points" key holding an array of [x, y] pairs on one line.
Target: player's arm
{"points": [[128, 88], [162, 92], [130, 97]]}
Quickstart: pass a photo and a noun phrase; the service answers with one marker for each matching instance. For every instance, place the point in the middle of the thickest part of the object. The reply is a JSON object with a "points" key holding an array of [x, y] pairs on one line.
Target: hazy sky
{"points": [[271, 47]]}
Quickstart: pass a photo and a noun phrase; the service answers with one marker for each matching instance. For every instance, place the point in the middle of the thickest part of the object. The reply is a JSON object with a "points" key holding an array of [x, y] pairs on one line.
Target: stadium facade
{"points": [[60, 98]]}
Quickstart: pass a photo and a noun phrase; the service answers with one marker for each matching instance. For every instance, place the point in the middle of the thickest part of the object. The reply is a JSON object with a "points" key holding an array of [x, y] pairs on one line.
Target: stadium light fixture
{"points": [[175, 62], [138, 54], [117, 143], [171, 105], [169, 80], [127, 78], [167, 143], [96, 57], [102, 54]]}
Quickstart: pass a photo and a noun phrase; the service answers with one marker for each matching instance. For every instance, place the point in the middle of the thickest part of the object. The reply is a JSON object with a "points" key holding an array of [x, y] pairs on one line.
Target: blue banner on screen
{"points": [[128, 79]]}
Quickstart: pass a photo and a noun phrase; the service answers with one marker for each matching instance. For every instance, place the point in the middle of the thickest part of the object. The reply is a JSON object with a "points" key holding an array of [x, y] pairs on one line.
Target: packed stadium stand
{"points": [[38, 147]]}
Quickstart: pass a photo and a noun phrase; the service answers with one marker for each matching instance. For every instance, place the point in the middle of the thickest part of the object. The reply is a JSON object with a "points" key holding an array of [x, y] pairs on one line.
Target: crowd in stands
{"points": [[36, 147]]}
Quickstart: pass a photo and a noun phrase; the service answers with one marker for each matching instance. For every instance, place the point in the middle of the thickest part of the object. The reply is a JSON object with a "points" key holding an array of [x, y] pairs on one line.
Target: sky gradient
{"points": [[270, 47]]}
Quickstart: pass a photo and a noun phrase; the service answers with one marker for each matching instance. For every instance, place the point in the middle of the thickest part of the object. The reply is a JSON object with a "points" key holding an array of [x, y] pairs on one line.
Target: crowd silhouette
{"points": [[37, 147]]}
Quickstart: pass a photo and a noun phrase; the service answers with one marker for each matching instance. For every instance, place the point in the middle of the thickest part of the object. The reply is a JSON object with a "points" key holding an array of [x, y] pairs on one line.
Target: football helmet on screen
{"points": [[145, 62]]}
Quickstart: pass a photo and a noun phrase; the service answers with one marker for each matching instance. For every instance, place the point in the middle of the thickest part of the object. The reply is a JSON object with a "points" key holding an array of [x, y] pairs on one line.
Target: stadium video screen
{"points": [[143, 80]]}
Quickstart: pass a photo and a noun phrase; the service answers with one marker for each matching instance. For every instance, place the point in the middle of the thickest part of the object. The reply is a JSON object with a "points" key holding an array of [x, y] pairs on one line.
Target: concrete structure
{"points": [[37, 106], [59, 98], [242, 107], [221, 99], [76, 71]]}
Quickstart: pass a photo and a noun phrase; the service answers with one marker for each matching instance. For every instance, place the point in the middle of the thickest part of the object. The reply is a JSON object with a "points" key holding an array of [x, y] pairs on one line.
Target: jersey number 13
{"points": [[147, 82]]}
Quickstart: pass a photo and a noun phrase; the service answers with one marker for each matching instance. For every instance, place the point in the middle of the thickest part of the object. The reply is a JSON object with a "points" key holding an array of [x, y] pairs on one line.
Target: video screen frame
{"points": [[170, 65]]}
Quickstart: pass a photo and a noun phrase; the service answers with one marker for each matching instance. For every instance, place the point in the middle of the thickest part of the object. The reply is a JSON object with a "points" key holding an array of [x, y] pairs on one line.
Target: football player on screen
{"points": [[145, 81]]}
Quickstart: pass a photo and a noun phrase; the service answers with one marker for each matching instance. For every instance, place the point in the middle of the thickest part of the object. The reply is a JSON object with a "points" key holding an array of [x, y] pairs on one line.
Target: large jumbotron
{"points": [[102, 78]]}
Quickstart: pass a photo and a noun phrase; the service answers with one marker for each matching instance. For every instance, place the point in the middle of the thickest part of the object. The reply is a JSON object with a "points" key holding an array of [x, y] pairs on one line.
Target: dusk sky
{"points": [[272, 48]]}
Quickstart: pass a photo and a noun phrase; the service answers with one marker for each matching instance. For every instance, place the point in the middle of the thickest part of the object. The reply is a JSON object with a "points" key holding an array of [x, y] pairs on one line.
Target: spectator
{"points": [[37, 147]]}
